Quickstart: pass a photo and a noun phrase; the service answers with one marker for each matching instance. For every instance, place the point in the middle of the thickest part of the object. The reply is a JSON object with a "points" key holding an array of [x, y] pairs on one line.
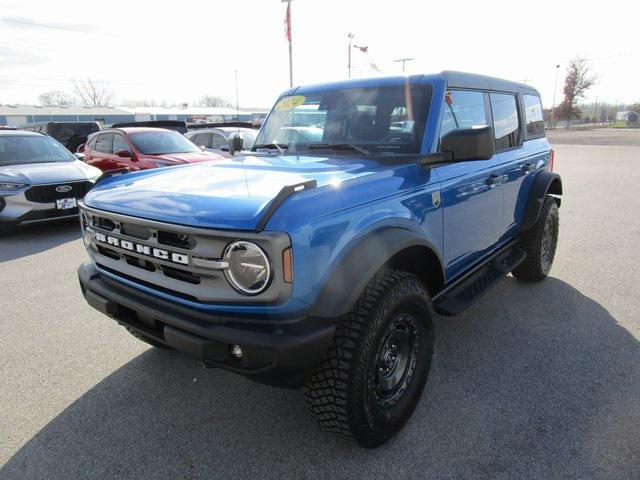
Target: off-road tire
{"points": [[145, 339], [537, 264], [342, 394]]}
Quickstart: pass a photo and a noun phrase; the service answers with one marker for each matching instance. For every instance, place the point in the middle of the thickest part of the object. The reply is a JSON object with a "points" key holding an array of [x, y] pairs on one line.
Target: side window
{"points": [[533, 116], [506, 125], [92, 142], [103, 144], [202, 140], [119, 143], [219, 141], [462, 109]]}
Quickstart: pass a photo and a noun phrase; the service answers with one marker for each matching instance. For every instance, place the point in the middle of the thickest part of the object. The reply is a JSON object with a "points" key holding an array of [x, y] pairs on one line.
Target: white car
{"points": [[40, 180]]}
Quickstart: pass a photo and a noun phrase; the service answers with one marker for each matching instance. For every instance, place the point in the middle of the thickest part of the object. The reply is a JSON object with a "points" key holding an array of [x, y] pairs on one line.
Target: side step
{"points": [[465, 291]]}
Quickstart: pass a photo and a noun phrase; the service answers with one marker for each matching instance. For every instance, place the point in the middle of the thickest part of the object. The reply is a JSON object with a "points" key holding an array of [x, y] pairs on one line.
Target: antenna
{"points": [[404, 61], [237, 104]]}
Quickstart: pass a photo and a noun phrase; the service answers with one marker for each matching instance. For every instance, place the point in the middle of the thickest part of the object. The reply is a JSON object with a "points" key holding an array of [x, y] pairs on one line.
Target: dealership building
{"points": [[23, 114]]}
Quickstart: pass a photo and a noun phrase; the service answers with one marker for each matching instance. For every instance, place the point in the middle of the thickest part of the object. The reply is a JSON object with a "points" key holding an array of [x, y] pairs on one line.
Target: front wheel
{"points": [[539, 243], [378, 362]]}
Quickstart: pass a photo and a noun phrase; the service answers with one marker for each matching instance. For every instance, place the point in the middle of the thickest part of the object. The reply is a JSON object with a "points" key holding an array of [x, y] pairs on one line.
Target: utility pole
{"points": [[350, 37], [553, 107], [404, 61]]}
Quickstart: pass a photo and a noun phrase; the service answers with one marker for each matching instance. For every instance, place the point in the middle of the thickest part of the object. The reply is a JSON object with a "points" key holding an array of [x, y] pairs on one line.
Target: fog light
{"points": [[236, 351]]}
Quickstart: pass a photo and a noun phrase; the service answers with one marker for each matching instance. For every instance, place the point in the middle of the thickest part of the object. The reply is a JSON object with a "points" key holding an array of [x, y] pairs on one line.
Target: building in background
{"points": [[22, 114]]}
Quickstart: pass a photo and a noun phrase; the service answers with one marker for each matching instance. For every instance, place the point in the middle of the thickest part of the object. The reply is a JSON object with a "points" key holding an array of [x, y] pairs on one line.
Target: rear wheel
{"points": [[378, 362], [539, 243]]}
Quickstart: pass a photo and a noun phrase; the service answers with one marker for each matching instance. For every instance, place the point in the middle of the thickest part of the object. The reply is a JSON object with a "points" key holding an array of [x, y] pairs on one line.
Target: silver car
{"points": [[40, 180]]}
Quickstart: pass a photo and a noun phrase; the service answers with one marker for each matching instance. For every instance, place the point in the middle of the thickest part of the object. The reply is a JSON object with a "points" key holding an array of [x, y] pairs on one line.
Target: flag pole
{"points": [[290, 44]]}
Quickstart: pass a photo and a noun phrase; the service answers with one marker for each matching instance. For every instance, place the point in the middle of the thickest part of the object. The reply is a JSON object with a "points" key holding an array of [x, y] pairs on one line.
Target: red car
{"points": [[139, 148]]}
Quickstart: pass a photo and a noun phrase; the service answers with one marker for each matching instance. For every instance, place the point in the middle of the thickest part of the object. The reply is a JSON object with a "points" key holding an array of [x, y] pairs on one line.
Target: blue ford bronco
{"points": [[317, 258]]}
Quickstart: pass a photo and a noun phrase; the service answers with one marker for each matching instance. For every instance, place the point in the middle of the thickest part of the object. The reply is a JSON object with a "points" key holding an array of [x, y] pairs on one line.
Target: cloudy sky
{"points": [[180, 51]]}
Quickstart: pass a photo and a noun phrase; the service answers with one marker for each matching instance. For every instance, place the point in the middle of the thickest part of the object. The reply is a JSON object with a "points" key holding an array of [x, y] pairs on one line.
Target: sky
{"points": [[181, 51]]}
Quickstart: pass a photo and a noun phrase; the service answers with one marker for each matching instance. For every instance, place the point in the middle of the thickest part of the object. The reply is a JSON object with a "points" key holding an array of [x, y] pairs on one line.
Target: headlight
{"points": [[249, 271], [10, 187]]}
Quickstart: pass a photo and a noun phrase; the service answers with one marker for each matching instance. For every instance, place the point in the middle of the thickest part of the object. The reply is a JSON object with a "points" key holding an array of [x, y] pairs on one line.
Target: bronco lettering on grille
{"points": [[140, 248]]}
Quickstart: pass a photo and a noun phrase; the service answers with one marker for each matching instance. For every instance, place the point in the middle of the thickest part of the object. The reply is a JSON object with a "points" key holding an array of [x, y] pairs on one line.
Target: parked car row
{"points": [[41, 180]]}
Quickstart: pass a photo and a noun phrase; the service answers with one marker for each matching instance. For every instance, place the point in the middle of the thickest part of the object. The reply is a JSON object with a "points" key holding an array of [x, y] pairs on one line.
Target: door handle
{"points": [[528, 167], [493, 179]]}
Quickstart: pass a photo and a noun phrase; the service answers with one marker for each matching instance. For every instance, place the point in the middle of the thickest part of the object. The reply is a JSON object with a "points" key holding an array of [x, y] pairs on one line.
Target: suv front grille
{"points": [[48, 193]]}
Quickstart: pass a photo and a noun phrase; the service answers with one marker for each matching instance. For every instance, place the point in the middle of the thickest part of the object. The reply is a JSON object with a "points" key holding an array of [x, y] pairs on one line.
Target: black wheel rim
{"points": [[395, 361], [548, 243]]}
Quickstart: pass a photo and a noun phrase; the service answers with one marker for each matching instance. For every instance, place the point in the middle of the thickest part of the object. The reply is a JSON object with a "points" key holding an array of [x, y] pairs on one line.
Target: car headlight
{"points": [[249, 271], [11, 187]]}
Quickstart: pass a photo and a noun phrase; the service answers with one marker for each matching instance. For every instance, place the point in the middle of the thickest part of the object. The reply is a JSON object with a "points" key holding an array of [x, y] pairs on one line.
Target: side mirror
{"points": [[79, 155], [236, 143], [475, 143], [123, 154]]}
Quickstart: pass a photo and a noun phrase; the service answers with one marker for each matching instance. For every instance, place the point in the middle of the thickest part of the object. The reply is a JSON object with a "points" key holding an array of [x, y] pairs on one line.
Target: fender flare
{"points": [[545, 182], [350, 276]]}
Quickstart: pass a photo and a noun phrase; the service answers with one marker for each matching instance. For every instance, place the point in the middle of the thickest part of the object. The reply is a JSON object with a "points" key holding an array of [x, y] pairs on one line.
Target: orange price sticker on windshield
{"points": [[287, 103]]}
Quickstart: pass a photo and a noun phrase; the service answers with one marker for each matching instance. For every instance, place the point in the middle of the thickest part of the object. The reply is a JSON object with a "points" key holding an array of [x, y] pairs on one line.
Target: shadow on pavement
{"points": [[535, 381], [37, 238]]}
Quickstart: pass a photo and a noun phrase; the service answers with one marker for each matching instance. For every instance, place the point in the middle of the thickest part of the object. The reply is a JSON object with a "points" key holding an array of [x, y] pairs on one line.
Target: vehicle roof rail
{"points": [[279, 199]]}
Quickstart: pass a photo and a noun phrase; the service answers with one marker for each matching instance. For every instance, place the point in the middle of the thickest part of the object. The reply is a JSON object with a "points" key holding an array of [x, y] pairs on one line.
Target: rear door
{"points": [[100, 155], [471, 193], [508, 132]]}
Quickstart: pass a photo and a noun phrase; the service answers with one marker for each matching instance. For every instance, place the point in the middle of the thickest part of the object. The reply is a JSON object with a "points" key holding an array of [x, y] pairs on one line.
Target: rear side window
{"points": [[92, 142], [462, 109], [202, 140], [533, 116], [119, 143], [219, 141], [103, 144], [506, 124]]}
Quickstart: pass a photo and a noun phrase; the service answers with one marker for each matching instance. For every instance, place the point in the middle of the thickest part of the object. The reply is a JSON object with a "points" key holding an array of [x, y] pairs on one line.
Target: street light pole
{"points": [[553, 107], [350, 36]]}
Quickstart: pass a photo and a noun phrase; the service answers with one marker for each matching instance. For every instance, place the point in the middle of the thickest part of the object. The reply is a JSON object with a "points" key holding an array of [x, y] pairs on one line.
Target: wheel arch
{"points": [[392, 247], [546, 182]]}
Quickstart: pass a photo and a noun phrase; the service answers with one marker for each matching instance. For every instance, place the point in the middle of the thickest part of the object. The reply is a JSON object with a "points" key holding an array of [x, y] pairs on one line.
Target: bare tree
{"points": [[578, 80], [55, 98], [92, 93], [143, 103], [214, 101]]}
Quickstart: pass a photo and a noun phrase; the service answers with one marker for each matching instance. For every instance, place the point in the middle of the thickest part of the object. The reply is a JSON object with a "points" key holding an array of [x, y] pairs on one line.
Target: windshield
{"points": [[31, 149], [159, 143], [380, 120]]}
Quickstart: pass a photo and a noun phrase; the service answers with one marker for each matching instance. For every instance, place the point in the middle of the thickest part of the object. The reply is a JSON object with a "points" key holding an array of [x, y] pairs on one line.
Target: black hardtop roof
{"points": [[482, 82]]}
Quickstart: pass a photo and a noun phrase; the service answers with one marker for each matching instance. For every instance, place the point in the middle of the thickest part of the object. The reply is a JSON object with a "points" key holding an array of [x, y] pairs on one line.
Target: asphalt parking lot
{"points": [[534, 381]]}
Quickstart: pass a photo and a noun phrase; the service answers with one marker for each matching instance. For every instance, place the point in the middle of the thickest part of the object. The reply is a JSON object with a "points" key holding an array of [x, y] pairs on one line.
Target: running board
{"points": [[465, 291]]}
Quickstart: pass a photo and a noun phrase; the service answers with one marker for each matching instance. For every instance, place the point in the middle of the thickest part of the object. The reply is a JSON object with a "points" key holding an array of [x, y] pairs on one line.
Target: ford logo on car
{"points": [[63, 188]]}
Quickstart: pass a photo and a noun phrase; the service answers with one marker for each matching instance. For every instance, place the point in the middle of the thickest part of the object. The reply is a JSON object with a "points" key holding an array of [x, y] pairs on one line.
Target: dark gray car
{"points": [[39, 179]]}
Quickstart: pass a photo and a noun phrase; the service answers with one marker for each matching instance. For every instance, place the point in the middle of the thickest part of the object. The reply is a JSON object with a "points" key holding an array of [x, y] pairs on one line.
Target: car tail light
{"points": [[552, 160]]}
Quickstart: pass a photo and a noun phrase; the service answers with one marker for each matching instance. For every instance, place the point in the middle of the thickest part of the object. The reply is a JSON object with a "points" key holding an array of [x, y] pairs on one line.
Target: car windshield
{"points": [[378, 120], [17, 149], [159, 143]]}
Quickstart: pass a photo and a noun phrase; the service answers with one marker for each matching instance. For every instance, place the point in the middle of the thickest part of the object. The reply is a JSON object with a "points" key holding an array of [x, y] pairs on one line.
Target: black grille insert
{"points": [[49, 194], [176, 240]]}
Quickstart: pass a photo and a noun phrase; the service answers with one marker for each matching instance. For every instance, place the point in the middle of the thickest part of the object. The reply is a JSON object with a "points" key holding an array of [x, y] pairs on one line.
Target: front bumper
{"points": [[16, 210], [276, 352]]}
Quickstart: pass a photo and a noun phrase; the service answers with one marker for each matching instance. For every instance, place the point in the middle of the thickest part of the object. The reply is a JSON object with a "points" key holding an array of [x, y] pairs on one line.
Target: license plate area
{"points": [[66, 203]]}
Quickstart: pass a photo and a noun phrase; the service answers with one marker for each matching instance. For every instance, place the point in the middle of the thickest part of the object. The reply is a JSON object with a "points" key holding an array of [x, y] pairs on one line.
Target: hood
{"points": [[230, 194], [183, 158], [50, 172]]}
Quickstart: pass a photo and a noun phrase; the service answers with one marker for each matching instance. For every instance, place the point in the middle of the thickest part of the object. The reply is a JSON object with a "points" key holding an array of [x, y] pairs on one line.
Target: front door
{"points": [[471, 190]]}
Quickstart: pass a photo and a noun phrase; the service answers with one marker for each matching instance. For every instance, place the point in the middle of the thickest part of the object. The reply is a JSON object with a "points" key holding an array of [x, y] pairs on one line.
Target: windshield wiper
{"points": [[280, 147], [339, 146]]}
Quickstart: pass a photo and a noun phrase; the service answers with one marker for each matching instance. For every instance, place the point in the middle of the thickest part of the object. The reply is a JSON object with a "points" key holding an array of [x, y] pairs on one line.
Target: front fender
{"points": [[348, 279]]}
